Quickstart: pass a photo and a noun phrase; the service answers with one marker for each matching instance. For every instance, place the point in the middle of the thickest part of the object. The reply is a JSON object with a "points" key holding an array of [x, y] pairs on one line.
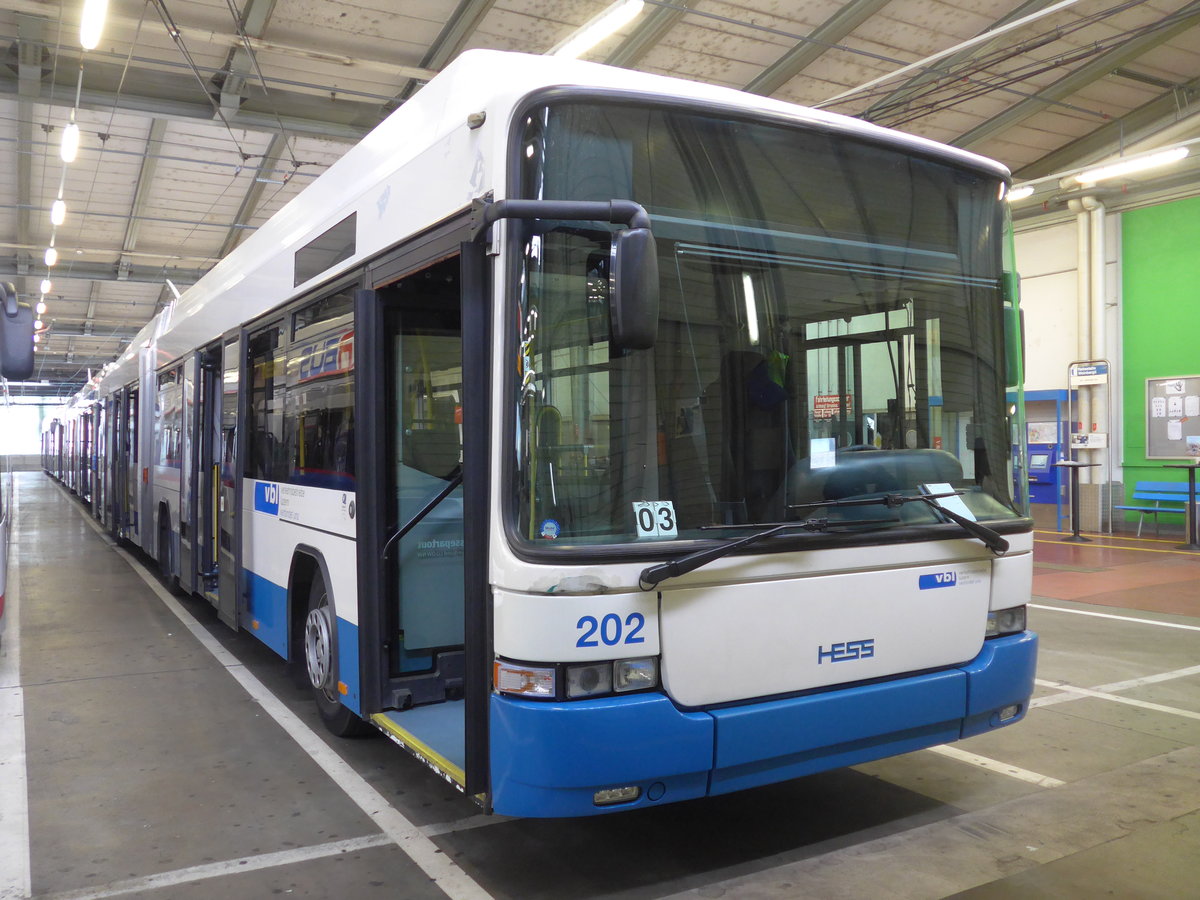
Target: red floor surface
{"points": [[1146, 574]]}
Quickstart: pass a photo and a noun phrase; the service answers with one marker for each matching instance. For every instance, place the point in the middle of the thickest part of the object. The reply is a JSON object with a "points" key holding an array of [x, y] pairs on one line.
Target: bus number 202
{"points": [[610, 630]]}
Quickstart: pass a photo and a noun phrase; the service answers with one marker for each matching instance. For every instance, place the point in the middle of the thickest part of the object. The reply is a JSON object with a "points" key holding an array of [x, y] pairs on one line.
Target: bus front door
{"points": [[223, 488], [413, 528]]}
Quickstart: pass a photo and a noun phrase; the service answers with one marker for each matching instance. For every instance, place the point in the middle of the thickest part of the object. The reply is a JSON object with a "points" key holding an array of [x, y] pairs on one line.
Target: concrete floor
{"points": [[157, 765]]}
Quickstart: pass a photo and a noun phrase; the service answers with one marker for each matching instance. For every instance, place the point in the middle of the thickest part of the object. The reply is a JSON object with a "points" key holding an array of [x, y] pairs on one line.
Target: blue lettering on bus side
{"points": [[937, 580], [266, 498], [330, 356], [863, 649]]}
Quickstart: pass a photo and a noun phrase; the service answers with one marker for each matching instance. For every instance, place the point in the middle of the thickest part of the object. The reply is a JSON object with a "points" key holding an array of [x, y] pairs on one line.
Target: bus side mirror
{"points": [[633, 300], [16, 335], [1014, 329]]}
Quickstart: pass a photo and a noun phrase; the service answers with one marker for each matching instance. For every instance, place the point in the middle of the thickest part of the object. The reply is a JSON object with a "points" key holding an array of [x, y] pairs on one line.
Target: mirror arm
{"points": [[618, 212]]}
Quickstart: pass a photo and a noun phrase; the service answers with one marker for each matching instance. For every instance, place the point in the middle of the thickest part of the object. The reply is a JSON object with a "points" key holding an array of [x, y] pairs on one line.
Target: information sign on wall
{"points": [[1173, 417]]}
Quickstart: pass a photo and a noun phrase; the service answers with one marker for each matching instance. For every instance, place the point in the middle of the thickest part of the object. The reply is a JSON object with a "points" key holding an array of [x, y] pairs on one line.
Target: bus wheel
{"points": [[321, 664]]}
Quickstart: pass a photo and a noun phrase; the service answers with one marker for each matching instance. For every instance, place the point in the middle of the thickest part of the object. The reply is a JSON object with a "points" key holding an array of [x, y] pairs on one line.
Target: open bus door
{"points": [[222, 488], [422, 526]]}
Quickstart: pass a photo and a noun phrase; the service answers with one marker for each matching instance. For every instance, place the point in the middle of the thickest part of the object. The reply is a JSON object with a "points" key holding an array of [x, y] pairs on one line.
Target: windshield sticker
{"points": [[549, 530], [654, 519], [952, 503], [822, 453]]}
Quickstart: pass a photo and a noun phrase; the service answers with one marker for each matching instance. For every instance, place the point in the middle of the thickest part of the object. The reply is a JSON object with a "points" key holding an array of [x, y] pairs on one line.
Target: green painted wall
{"points": [[1160, 265]]}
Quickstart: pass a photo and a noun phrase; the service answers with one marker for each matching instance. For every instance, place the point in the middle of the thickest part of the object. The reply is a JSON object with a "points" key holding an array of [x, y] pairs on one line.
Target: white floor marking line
{"points": [[14, 781], [1084, 612], [1149, 679], [433, 862], [1115, 698], [995, 766], [227, 867]]}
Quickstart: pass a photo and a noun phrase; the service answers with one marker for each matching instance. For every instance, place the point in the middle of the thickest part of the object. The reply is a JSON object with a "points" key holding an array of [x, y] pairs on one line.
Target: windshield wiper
{"points": [[990, 538], [653, 575]]}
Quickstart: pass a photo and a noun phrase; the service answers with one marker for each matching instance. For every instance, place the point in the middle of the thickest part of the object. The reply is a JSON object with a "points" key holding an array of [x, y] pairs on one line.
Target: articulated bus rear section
{"points": [[636, 442]]}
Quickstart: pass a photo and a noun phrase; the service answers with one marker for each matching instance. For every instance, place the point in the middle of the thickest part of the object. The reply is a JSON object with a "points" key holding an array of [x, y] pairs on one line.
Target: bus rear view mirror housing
{"points": [[16, 335], [633, 292], [633, 300]]}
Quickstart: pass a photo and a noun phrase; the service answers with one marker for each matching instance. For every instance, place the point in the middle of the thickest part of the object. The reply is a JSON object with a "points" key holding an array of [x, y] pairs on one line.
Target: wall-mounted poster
{"points": [[1173, 417]]}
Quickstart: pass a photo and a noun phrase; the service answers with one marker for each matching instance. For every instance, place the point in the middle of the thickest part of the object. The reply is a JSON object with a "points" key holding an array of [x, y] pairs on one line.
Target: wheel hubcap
{"points": [[318, 648]]}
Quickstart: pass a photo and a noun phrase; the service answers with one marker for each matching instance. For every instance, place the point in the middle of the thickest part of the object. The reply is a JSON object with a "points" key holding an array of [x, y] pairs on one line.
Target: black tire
{"points": [[319, 645]]}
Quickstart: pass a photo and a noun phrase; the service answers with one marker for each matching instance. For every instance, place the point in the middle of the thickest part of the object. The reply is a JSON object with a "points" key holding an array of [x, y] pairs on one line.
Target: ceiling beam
{"points": [[229, 39], [805, 53], [449, 42], [297, 112], [1093, 70], [1162, 113], [648, 34], [266, 168], [241, 64], [145, 178], [108, 272], [945, 66]]}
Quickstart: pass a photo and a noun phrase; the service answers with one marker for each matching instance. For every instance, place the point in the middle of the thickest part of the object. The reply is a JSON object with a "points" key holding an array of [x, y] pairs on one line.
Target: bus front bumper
{"points": [[551, 759]]}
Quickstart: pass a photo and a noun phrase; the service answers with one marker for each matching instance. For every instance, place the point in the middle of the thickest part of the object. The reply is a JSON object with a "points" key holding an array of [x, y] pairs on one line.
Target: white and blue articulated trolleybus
{"points": [[606, 440]]}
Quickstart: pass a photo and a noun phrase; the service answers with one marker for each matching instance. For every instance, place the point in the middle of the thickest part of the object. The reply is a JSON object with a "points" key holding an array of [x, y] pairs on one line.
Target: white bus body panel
{"points": [[277, 518], [734, 642]]}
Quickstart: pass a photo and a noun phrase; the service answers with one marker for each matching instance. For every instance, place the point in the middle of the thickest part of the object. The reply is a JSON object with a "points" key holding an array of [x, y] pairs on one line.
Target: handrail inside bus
{"points": [[425, 510]]}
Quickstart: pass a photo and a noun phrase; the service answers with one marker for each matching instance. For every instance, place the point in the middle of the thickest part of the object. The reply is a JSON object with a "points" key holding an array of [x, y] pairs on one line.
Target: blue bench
{"points": [[1159, 492]]}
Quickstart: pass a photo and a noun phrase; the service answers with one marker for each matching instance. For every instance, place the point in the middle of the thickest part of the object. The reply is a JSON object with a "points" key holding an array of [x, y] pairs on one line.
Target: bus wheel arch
{"points": [[314, 643]]}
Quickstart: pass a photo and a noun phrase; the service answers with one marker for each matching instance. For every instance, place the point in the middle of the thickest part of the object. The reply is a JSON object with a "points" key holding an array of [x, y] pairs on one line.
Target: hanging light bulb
{"points": [[58, 212], [51, 256], [37, 338], [41, 307], [91, 23], [37, 324], [70, 143], [45, 286]]}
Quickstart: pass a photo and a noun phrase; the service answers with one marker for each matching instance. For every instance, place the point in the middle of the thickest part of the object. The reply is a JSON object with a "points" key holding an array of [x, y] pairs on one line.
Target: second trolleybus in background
{"points": [[606, 440]]}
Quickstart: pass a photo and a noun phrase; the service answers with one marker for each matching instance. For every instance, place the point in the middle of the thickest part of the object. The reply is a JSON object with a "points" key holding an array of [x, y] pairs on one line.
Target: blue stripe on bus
{"points": [[266, 612], [347, 649], [548, 759]]}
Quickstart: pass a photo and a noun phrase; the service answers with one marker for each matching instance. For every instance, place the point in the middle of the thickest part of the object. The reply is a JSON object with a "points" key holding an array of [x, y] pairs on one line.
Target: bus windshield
{"points": [[830, 328]]}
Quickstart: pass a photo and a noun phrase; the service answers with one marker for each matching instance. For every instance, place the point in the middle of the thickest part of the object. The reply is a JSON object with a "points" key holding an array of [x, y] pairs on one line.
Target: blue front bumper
{"points": [[549, 759]]}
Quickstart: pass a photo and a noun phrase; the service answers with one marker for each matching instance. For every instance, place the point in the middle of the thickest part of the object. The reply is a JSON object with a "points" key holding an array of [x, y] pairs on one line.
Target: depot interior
{"points": [[138, 151]]}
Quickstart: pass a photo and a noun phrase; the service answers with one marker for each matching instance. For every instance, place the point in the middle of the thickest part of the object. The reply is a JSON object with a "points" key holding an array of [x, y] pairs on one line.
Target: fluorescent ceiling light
{"points": [[58, 212], [91, 23], [1019, 193], [1128, 166], [51, 256], [70, 143], [607, 23], [46, 286]]}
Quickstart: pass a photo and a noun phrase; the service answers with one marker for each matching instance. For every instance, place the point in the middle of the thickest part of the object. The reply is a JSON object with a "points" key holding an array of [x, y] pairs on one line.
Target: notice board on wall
{"points": [[1173, 417]]}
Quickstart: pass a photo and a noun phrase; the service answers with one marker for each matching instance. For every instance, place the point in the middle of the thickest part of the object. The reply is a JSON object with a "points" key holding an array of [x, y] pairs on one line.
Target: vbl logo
{"points": [[863, 649], [937, 580], [266, 497]]}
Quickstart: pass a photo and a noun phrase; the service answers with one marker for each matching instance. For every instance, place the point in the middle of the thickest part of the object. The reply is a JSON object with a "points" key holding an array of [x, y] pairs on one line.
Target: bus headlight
{"points": [[635, 674], [1005, 621]]}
